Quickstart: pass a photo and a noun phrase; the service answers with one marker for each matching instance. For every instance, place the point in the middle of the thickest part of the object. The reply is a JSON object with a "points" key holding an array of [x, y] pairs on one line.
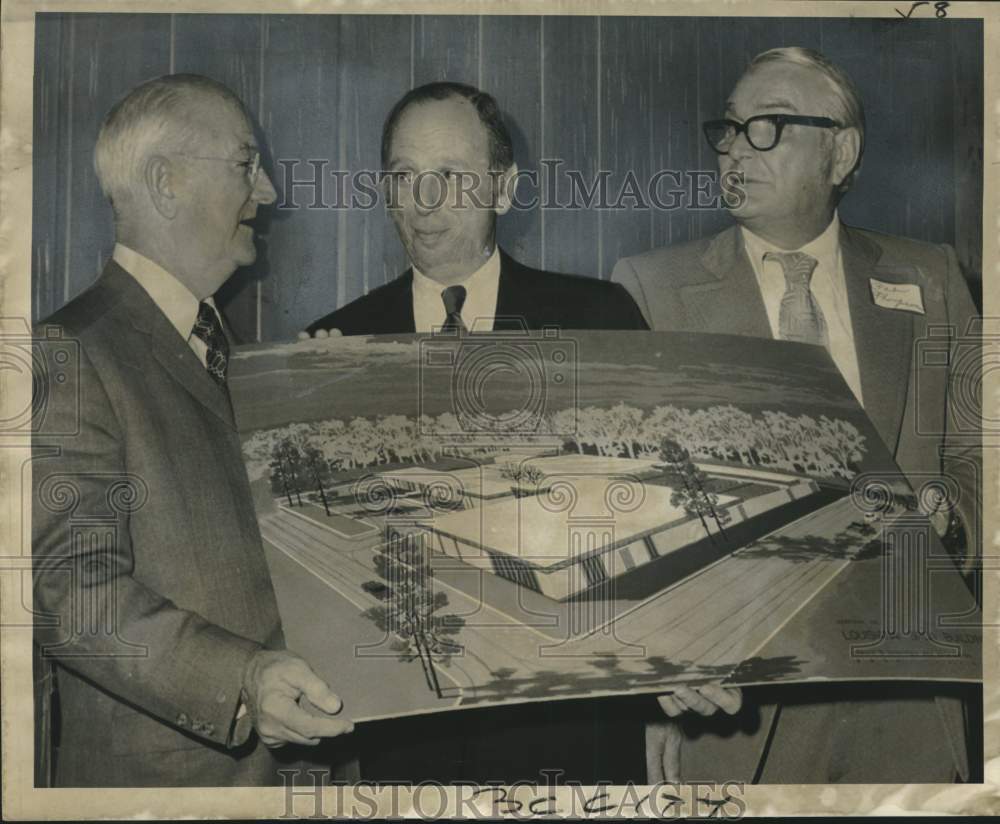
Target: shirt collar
{"points": [[824, 247], [171, 296], [481, 278]]}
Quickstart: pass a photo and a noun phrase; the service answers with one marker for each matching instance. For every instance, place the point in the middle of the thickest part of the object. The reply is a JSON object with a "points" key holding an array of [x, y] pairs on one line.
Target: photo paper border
{"points": [[22, 801]]}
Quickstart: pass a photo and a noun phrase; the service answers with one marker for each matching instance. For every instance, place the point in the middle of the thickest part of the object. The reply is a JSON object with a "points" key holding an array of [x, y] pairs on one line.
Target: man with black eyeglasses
{"points": [[791, 144]]}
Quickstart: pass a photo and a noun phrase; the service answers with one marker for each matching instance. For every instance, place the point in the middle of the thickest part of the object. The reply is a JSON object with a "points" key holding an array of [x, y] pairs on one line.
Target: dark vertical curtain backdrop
{"points": [[611, 94]]}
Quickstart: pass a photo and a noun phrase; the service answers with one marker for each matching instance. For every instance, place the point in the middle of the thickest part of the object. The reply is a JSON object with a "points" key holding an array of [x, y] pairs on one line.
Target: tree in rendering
{"points": [[318, 468], [411, 609], [689, 486], [286, 466]]}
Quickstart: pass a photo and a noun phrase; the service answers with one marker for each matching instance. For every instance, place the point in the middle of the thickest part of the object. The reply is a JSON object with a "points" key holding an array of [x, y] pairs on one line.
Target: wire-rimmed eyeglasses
{"points": [[763, 131], [251, 166]]}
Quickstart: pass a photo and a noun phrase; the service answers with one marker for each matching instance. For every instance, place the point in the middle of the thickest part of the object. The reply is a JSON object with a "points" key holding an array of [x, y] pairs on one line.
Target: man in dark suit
{"points": [[794, 130], [451, 173], [151, 589]]}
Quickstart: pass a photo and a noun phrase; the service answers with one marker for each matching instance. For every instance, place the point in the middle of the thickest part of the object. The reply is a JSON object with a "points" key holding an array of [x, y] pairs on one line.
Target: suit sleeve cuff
{"points": [[242, 723]]}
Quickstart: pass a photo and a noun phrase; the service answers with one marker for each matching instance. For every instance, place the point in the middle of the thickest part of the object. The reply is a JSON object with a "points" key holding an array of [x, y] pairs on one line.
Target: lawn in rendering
{"points": [[499, 518]]}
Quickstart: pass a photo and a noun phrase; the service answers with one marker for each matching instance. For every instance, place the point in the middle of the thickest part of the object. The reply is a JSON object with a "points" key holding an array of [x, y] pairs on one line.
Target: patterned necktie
{"points": [[800, 318], [209, 329], [454, 300]]}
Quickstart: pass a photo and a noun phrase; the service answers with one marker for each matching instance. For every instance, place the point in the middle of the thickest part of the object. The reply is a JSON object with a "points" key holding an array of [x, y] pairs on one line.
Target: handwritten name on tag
{"points": [[904, 296]]}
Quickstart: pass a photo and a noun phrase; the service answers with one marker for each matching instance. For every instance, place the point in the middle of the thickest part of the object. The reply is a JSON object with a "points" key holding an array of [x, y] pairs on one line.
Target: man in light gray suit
{"points": [[794, 130], [152, 592]]}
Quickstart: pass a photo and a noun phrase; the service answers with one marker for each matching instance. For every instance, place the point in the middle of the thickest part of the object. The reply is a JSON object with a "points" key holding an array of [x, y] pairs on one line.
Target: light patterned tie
{"points": [[209, 329], [800, 318], [454, 300]]}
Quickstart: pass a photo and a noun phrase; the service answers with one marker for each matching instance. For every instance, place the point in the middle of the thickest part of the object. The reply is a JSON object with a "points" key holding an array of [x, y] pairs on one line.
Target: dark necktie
{"points": [[209, 329], [454, 300], [800, 318]]}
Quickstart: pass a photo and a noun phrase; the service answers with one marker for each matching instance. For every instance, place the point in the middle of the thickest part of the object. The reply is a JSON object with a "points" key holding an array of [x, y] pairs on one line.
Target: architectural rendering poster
{"points": [[518, 517]]}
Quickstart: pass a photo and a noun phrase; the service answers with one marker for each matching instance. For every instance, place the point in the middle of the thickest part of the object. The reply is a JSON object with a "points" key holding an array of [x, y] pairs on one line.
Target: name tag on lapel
{"points": [[906, 297]]}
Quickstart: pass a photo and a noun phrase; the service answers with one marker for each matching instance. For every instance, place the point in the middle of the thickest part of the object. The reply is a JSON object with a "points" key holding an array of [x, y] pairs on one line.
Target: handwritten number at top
{"points": [[940, 9]]}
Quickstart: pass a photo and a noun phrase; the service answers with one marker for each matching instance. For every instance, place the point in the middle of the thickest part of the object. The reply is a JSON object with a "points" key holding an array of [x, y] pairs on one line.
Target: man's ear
{"points": [[846, 151], [506, 186], [159, 182]]}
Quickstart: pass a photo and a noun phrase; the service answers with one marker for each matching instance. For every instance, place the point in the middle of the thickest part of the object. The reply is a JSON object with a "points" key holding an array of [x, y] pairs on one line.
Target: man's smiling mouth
{"points": [[428, 235]]}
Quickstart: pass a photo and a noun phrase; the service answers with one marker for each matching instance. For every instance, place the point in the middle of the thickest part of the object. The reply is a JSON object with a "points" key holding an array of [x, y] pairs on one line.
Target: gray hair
{"points": [[154, 116], [846, 105]]}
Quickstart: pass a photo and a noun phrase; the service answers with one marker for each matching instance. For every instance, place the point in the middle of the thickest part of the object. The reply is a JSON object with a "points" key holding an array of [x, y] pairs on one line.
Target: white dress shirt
{"points": [[479, 309], [829, 288], [171, 296]]}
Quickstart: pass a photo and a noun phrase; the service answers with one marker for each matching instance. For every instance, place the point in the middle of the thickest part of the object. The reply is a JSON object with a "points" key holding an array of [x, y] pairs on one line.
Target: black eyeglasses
{"points": [[763, 131]]}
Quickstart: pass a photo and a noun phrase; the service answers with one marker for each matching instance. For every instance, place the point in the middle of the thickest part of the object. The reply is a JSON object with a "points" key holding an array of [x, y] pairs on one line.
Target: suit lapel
{"points": [[510, 302], [729, 300], [882, 337], [166, 346], [398, 317], [176, 357]]}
